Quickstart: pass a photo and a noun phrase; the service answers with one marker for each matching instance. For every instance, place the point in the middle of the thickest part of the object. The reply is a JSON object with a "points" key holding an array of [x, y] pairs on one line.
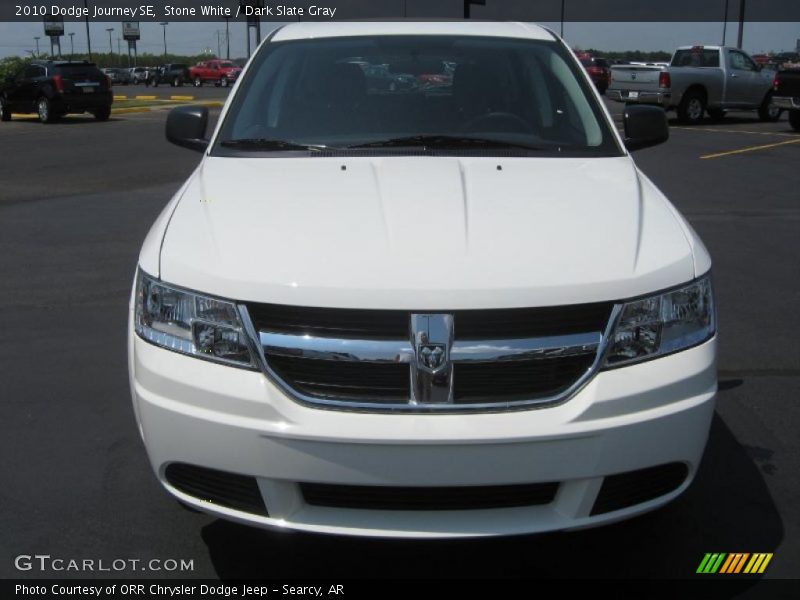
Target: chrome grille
{"points": [[381, 360]]}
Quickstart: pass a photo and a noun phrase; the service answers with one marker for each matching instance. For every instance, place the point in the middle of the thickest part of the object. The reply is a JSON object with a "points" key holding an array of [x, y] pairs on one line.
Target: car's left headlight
{"points": [[662, 324], [190, 323]]}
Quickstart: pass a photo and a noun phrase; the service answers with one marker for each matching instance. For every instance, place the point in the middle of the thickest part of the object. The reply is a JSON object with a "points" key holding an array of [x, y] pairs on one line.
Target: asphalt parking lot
{"points": [[76, 200]]}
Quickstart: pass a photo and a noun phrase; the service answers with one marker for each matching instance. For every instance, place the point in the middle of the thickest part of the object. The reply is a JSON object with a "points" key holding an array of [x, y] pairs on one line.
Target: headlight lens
{"points": [[663, 324], [189, 323]]}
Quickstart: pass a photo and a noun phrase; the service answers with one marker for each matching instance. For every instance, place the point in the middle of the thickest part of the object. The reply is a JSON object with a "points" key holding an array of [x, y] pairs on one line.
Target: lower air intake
{"points": [[634, 487], [229, 490]]}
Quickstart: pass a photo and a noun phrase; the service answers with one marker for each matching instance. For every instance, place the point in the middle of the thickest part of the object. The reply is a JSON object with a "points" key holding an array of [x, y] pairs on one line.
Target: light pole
{"points": [[563, 10], [37, 38], [725, 23], [88, 36], [71, 45], [227, 39], [164, 25], [110, 44]]}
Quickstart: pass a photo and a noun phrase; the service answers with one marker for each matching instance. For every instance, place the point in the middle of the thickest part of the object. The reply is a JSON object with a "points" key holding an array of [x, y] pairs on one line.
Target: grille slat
{"points": [[483, 324], [428, 498]]}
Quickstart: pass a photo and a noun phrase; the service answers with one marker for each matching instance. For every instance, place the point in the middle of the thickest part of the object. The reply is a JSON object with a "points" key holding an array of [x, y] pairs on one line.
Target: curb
{"points": [[134, 109], [121, 97]]}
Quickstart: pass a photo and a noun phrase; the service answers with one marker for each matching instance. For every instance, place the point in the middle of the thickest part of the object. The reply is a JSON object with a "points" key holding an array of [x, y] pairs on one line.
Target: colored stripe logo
{"points": [[734, 563]]}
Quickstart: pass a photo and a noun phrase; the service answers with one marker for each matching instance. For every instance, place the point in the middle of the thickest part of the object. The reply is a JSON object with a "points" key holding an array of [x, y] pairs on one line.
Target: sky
{"points": [[194, 38]]}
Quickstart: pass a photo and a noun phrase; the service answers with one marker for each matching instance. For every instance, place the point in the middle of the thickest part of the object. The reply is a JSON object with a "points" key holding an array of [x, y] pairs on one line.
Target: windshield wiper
{"points": [[443, 141], [270, 144]]}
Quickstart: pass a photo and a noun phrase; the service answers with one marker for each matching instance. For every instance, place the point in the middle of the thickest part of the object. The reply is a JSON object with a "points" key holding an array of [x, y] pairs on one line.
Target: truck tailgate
{"points": [[788, 84], [635, 77]]}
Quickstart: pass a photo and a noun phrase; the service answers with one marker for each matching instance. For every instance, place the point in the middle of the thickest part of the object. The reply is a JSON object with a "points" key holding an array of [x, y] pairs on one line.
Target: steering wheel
{"points": [[495, 119]]}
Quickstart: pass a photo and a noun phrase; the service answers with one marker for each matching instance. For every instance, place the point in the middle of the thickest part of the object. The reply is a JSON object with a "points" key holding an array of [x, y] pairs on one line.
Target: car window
{"points": [[355, 91], [741, 62], [696, 57], [32, 71]]}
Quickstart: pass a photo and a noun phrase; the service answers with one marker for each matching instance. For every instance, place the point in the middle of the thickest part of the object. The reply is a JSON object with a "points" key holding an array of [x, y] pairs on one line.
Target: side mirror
{"points": [[186, 127], [645, 126]]}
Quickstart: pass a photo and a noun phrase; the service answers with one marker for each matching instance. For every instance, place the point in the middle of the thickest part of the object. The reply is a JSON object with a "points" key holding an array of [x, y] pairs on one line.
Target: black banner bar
{"points": [[327, 10]]}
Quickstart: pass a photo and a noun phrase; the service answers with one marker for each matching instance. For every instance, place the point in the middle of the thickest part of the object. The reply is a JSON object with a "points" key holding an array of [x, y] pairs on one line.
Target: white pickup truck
{"points": [[699, 79]]}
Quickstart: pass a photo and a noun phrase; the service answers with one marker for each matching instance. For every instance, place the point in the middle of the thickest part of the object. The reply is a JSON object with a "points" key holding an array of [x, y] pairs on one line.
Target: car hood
{"points": [[424, 232]]}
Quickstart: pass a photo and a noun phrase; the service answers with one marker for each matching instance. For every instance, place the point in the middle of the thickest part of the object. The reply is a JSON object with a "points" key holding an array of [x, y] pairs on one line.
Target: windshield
{"points": [[382, 93]]}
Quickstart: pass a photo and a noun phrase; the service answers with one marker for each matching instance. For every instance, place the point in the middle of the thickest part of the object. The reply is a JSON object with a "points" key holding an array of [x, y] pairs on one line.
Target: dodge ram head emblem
{"points": [[431, 369], [432, 356]]}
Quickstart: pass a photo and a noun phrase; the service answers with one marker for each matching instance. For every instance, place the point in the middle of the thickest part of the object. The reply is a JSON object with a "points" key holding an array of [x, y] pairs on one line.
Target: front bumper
{"points": [[659, 98], [197, 413], [786, 102]]}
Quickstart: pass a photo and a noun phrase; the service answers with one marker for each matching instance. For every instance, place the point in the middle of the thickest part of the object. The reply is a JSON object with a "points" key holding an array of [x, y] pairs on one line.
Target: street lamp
{"points": [[37, 38], [110, 44], [88, 35], [71, 45], [164, 25]]}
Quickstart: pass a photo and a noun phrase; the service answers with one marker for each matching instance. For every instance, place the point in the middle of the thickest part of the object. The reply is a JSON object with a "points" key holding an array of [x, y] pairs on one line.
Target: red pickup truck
{"points": [[219, 72]]}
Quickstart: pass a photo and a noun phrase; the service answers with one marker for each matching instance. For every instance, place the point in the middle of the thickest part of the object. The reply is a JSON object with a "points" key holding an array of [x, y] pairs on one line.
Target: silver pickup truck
{"points": [[699, 79]]}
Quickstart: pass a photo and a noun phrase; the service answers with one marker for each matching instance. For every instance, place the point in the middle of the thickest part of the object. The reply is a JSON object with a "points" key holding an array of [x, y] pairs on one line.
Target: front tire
{"points": [[44, 108], [224, 82], [794, 119], [198, 82], [102, 114], [692, 107], [5, 112], [768, 112], [177, 82]]}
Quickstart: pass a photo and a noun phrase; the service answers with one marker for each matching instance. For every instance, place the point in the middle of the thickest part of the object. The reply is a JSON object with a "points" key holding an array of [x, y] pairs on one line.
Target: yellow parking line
{"points": [[711, 130], [120, 97], [181, 97], [751, 149], [147, 97]]}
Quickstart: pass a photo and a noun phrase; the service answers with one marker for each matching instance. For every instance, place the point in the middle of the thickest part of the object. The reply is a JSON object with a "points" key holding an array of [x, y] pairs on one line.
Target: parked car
{"points": [[54, 88], [470, 363], [138, 75], [118, 76], [175, 74], [782, 59], [786, 95], [221, 73], [699, 79], [598, 69]]}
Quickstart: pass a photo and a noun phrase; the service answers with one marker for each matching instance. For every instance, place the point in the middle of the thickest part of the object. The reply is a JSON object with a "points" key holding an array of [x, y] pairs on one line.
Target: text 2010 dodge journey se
{"points": [[417, 287]]}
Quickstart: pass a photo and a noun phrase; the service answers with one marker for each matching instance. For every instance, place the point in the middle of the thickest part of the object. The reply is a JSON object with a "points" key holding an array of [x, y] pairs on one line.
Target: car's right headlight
{"points": [[662, 324], [190, 323]]}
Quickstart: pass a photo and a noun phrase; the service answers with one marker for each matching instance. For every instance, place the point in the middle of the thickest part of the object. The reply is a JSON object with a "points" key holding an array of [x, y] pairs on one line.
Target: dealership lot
{"points": [[77, 199]]}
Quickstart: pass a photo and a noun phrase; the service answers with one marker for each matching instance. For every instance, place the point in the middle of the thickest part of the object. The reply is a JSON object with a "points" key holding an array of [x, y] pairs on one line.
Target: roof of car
{"points": [[309, 30]]}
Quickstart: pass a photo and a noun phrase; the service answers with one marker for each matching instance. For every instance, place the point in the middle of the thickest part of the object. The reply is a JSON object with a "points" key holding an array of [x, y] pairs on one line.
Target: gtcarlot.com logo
{"points": [[46, 562], [734, 563]]}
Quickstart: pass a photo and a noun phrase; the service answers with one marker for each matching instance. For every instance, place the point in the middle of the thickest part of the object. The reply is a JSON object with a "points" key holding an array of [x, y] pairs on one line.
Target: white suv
{"points": [[452, 307]]}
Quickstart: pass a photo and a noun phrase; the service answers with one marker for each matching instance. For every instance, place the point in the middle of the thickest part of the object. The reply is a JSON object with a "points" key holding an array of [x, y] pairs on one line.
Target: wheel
{"points": [[45, 110], [102, 114], [716, 114], [692, 107], [768, 111], [602, 89], [5, 112], [794, 119], [198, 82], [224, 82], [177, 82]]}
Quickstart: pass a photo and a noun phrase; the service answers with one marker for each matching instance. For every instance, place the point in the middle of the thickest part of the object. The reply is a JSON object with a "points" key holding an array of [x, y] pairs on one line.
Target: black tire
{"points": [[224, 82], [602, 89], [44, 108], [794, 119], [102, 114], [692, 107], [198, 82], [5, 113], [768, 112], [177, 82], [716, 114]]}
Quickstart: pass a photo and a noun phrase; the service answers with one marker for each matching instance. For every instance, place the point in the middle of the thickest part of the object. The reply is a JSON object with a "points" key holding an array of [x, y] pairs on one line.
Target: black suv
{"points": [[52, 89], [175, 74]]}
